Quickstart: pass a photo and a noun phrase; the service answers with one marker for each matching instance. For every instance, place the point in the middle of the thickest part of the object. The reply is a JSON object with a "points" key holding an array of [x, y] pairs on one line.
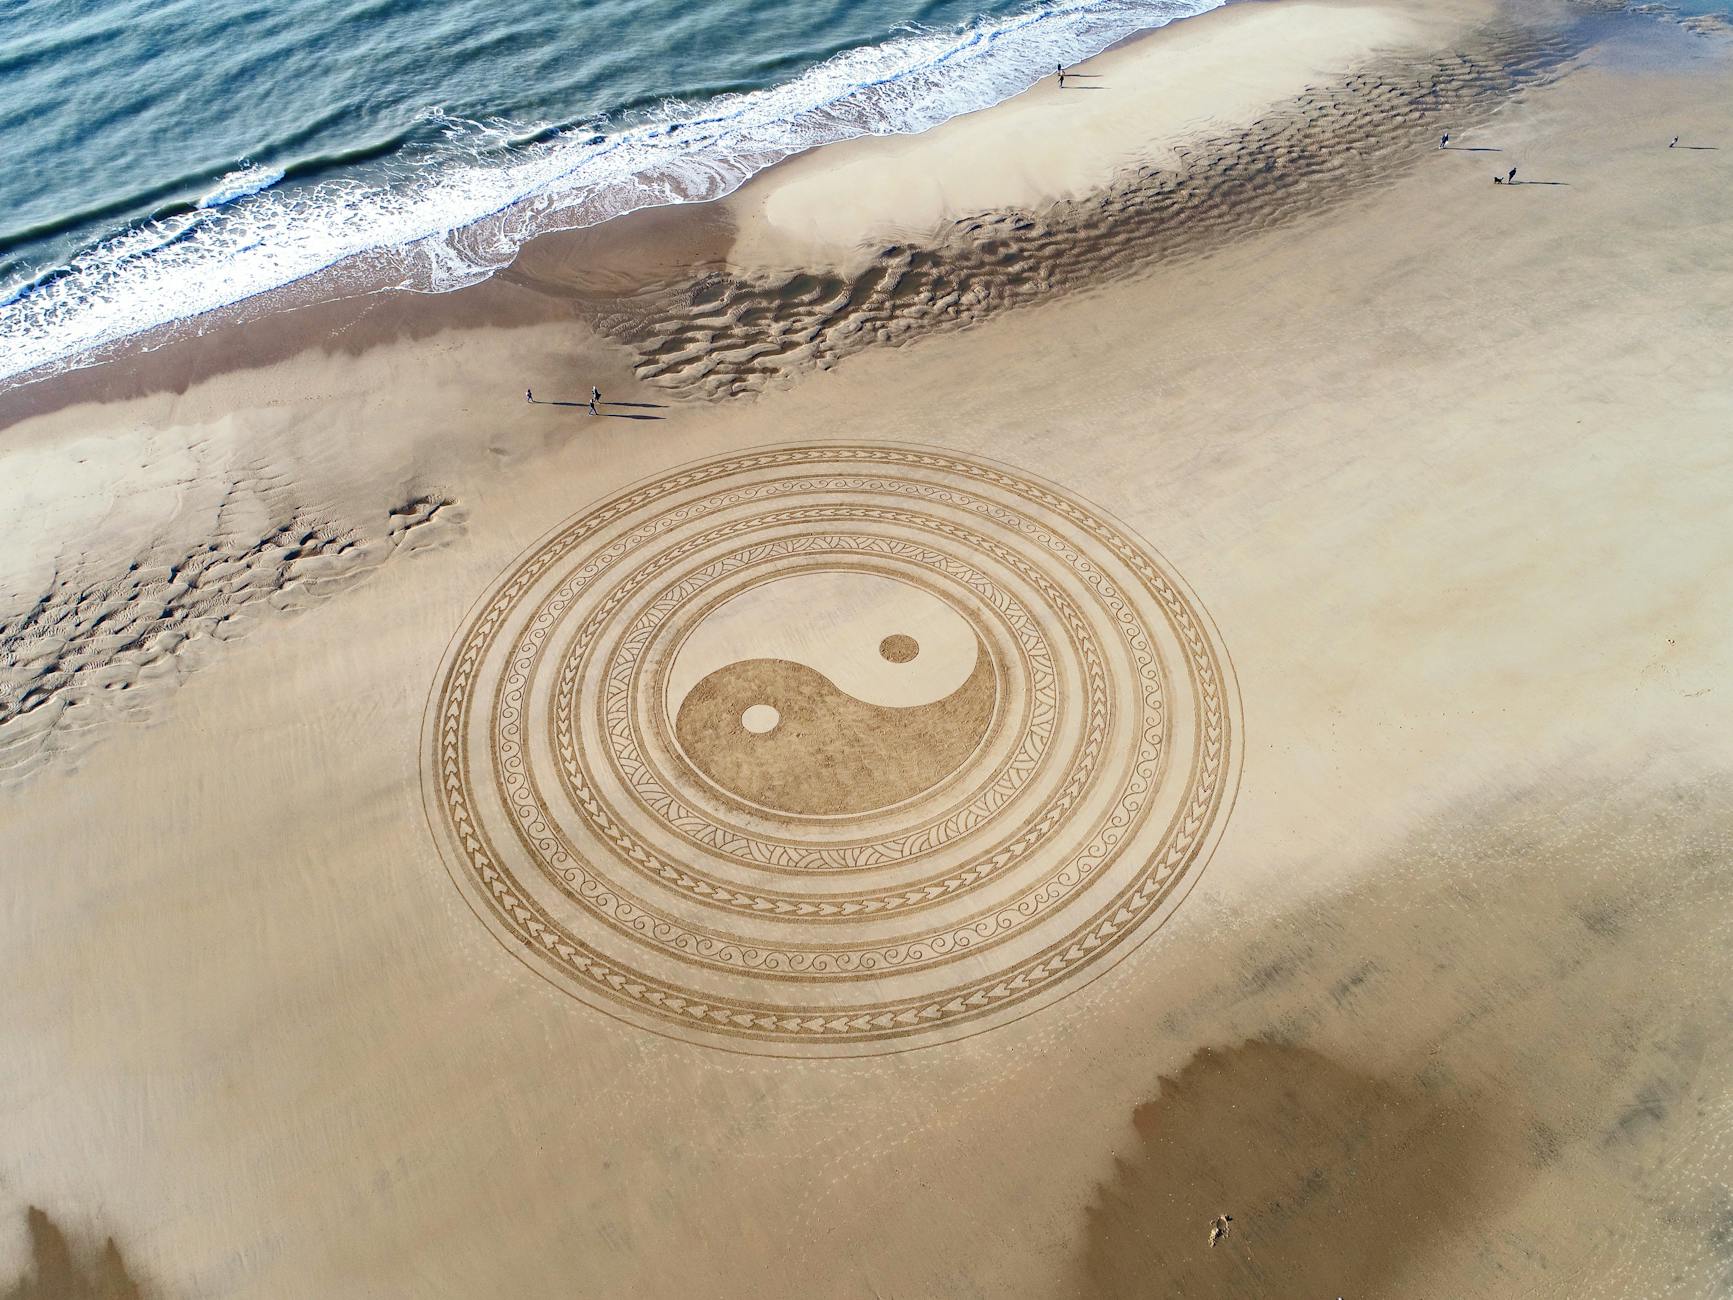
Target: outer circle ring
{"points": [[847, 1024]]}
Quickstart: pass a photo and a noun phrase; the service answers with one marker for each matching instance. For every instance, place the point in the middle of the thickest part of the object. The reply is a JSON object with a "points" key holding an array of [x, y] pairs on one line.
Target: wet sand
{"points": [[1441, 1008]]}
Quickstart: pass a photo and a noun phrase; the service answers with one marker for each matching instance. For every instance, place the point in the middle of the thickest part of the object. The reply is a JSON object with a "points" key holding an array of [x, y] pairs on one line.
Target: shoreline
{"points": [[656, 242], [788, 216], [466, 222]]}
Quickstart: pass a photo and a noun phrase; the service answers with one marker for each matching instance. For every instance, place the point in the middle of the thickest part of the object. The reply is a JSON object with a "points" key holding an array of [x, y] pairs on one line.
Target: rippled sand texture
{"points": [[80, 655], [724, 335]]}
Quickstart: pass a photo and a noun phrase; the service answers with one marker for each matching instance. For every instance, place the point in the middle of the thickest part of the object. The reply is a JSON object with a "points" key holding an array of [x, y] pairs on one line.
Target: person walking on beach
{"points": [[592, 401], [1059, 69], [1511, 179], [1675, 143], [1444, 139], [529, 396], [595, 394]]}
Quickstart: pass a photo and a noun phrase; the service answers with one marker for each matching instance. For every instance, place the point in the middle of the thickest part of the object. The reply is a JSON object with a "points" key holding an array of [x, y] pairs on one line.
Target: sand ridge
{"points": [[726, 334]]}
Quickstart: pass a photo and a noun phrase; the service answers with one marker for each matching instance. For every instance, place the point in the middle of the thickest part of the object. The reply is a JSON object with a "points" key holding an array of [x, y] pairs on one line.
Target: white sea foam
{"points": [[457, 216], [239, 184]]}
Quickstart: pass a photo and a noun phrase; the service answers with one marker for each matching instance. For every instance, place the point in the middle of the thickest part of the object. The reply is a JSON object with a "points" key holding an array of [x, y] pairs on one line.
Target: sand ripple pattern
{"points": [[725, 335], [84, 654]]}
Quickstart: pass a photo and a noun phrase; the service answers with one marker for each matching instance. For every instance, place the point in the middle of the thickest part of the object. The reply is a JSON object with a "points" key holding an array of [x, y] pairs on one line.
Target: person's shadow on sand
{"points": [[609, 415]]}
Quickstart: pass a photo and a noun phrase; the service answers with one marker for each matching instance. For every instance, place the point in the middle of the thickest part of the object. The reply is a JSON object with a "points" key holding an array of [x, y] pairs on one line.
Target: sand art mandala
{"points": [[831, 750]]}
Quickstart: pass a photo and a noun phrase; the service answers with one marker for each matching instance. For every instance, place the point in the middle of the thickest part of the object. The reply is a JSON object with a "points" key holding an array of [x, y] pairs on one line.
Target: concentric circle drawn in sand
{"points": [[831, 749]]}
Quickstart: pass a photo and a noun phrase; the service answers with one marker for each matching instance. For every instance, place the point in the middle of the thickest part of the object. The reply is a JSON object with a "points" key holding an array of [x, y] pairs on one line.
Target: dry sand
{"points": [[1446, 1012]]}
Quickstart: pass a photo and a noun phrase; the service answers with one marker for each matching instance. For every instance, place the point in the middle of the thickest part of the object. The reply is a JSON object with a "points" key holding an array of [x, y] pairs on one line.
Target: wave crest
{"points": [[239, 184]]}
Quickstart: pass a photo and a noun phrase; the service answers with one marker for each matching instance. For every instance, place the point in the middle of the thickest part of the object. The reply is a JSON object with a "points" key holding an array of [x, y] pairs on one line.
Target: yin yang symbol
{"points": [[831, 693]]}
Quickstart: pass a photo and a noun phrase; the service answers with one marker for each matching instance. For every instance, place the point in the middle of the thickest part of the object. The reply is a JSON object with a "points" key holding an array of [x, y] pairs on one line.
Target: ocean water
{"points": [[163, 159]]}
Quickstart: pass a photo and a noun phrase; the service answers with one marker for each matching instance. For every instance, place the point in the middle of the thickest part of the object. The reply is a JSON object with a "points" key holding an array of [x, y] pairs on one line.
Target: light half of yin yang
{"points": [[830, 693]]}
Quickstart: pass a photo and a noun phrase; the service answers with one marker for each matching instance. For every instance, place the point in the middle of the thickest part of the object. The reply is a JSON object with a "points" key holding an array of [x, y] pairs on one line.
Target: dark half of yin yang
{"points": [[829, 753]]}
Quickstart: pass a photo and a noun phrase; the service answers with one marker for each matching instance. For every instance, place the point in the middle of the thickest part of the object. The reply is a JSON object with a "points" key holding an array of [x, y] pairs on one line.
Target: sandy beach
{"points": [[1310, 798]]}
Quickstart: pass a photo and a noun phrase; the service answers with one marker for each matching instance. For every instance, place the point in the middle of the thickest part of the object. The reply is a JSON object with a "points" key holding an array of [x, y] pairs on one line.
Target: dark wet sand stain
{"points": [[55, 1272], [1334, 1179], [830, 753], [1497, 1065]]}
